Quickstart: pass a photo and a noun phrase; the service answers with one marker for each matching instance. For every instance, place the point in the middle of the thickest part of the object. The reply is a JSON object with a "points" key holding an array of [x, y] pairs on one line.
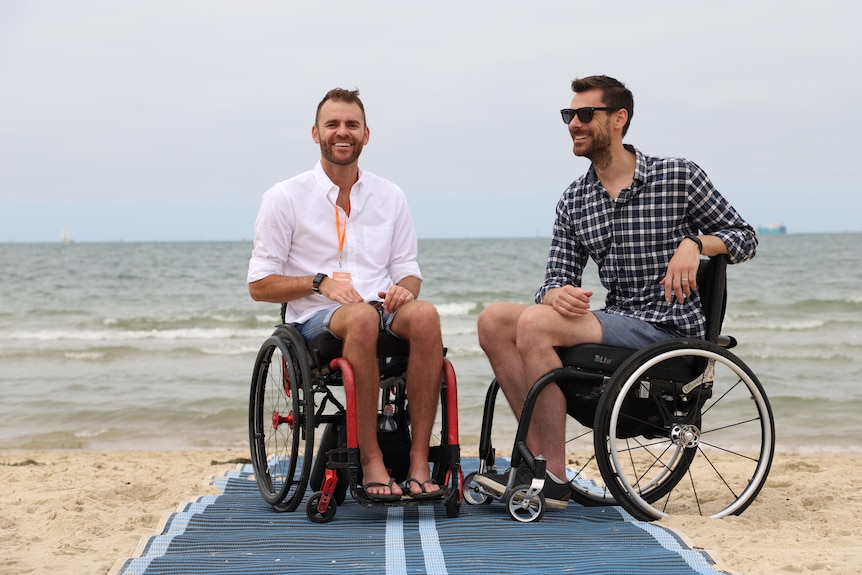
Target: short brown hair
{"points": [[341, 95], [614, 94]]}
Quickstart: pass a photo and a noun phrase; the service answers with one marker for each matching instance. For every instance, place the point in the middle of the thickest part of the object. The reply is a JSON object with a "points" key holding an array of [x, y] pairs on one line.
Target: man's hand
{"points": [[569, 301], [340, 291], [395, 297], [681, 277]]}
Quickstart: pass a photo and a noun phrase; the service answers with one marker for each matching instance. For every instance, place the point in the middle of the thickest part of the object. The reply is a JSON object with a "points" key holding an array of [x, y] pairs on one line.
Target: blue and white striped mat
{"points": [[237, 533]]}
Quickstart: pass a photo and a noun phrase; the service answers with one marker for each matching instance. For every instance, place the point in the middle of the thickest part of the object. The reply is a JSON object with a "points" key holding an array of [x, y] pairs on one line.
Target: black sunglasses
{"points": [[585, 115]]}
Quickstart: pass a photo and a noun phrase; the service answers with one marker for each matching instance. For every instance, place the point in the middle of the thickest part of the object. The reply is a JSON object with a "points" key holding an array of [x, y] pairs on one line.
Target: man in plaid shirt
{"points": [[645, 221]]}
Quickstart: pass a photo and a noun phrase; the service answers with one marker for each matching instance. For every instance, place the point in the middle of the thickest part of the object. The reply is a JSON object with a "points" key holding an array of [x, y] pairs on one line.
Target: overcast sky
{"points": [[167, 120]]}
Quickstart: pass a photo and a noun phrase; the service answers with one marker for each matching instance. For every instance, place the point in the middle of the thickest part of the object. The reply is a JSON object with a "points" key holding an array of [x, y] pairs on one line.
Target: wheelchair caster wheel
{"points": [[523, 510], [314, 515], [452, 500], [453, 507], [473, 494]]}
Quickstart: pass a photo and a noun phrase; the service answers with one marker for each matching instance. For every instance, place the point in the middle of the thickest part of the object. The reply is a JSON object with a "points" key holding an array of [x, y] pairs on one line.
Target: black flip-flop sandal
{"points": [[405, 487], [380, 496]]}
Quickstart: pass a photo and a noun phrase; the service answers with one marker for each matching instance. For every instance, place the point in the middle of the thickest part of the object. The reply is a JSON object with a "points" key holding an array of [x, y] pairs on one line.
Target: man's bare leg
{"points": [[540, 331], [419, 323], [498, 325], [358, 325], [519, 341]]}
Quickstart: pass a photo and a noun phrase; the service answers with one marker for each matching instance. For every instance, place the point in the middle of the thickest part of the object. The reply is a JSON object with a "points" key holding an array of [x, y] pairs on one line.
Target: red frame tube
{"points": [[350, 398]]}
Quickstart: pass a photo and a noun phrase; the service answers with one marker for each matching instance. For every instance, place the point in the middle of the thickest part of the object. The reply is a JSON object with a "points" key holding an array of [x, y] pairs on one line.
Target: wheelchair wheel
{"points": [[316, 516], [453, 498], [473, 494], [684, 428], [281, 426], [522, 511]]}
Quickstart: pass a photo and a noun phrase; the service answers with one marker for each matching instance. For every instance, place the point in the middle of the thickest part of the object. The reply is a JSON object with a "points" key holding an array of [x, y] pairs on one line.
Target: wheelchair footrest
{"points": [[343, 458]]}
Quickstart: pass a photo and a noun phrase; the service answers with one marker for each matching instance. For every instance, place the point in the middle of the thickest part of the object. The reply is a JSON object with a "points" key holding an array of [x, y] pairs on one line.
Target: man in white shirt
{"points": [[328, 241]]}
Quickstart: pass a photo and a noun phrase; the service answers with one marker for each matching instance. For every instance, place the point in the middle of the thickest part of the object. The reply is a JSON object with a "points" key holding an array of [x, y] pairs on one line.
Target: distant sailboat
{"points": [[65, 236]]}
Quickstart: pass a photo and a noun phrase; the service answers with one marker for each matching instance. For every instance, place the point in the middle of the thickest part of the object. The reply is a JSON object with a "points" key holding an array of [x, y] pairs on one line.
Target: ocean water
{"points": [[151, 345]]}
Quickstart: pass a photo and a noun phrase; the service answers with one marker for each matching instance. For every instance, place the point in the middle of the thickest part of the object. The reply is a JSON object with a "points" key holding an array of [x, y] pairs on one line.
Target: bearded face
{"points": [[341, 132], [594, 139]]}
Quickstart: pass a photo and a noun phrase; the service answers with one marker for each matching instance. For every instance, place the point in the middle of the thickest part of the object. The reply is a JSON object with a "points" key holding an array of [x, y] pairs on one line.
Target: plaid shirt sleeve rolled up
{"points": [[632, 238]]}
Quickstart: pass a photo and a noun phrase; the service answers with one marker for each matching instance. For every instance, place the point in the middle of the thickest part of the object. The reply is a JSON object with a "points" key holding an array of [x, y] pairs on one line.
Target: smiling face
{"points": [[341, 132], [591, 139]]}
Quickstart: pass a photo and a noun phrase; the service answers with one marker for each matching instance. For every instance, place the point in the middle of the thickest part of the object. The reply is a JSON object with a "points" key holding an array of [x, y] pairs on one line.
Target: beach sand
{"points": [[76, 512]]}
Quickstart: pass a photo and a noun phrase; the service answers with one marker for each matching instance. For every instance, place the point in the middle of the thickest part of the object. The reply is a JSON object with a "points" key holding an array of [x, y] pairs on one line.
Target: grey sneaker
{"points": [[496, 482], [556, 494]]}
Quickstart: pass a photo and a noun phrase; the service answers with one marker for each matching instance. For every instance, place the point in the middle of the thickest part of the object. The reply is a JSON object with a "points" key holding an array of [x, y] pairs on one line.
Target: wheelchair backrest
{"points": [[712, 285]]}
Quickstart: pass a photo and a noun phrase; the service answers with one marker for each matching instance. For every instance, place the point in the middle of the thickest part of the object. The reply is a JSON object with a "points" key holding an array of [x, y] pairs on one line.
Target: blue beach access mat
{"points": [[238, 533]]}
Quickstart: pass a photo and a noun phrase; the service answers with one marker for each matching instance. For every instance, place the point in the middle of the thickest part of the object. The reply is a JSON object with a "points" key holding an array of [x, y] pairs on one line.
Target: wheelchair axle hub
{"points": [[277, 420], [685, 435]]}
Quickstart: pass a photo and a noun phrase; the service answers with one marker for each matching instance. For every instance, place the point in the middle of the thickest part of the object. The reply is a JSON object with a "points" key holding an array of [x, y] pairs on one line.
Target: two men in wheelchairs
{"points": [[335, 237]]}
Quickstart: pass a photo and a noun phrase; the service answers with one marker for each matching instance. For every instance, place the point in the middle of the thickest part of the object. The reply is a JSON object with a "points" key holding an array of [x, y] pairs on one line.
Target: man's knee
{"points": [[533, 331], [419, 320], [489, 319], [494, 323], [425, 313], [540, 328], [357, 321]]}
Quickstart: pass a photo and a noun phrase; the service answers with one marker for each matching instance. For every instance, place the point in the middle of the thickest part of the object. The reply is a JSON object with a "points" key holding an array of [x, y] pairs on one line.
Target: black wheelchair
{"points": [[297, 387], [680, 427]]}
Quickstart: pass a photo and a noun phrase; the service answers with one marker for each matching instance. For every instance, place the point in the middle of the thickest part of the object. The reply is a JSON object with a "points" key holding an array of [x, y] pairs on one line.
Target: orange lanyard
{"points": [[340, 231]]}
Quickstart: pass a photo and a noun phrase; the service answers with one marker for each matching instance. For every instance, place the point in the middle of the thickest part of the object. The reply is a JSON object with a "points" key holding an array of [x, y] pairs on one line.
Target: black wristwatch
{"points": [[696, 240], [315, 285]]}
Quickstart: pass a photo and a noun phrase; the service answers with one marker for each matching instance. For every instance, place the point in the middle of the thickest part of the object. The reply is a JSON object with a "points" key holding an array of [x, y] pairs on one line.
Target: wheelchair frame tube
{"points": [[486, 451], [350, 399], [451, 402], [520, 451]]}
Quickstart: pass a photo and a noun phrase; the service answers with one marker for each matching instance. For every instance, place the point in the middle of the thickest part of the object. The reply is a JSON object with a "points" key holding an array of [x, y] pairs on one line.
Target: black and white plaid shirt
{"points": [[633, 237]]}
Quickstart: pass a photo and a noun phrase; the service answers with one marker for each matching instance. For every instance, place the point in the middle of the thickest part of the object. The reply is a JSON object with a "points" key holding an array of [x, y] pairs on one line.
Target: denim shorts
{"points": [[318, 323], [629, 332]]}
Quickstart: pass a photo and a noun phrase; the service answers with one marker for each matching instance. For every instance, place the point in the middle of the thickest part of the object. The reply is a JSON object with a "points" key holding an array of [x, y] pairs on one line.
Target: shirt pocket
{"points": [[377, 244]]}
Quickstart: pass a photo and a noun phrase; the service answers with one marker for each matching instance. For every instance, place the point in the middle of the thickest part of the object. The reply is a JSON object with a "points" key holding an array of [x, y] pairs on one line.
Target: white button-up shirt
{"points": [[295, 235]]}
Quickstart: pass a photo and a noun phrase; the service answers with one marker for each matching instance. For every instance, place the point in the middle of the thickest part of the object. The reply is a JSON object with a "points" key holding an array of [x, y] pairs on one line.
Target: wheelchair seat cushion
{"points": [[595, 357], [326, 346]]}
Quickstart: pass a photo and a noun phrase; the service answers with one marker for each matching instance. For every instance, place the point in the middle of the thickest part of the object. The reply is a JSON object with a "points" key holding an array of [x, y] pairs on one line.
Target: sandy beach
{"points": [[75, 512]]}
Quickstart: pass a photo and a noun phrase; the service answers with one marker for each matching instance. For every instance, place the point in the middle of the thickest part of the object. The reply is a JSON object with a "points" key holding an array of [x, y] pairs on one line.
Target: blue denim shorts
{"points": [[629, 332], [318, 323]]}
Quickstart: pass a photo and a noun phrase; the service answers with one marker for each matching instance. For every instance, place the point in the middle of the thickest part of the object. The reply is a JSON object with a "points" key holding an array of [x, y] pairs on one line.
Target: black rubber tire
{"points": [[281, 430], [707, 447]]}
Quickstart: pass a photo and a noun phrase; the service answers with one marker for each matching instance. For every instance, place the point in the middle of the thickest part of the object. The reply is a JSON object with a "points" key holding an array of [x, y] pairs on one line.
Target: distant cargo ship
{"points": [[772, 229]]}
